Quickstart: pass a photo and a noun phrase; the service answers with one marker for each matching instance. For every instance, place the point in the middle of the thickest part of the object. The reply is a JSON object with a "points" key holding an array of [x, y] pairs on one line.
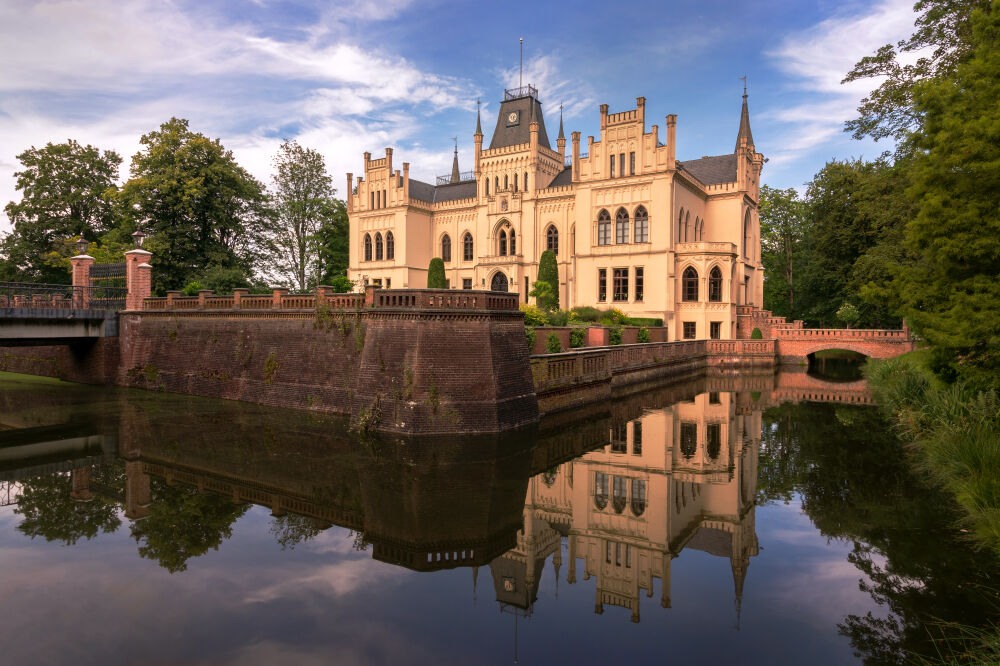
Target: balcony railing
{"points": [[464, 177], [524, 91], [61, 296]]}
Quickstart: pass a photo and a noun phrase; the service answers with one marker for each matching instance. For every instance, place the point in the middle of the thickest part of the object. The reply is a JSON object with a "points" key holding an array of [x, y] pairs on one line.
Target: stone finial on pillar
{"points": [[138, 278]]}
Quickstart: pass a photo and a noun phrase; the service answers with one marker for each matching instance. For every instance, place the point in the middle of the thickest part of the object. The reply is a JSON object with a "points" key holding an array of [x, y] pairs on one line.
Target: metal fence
{"points": [[61, 296]]}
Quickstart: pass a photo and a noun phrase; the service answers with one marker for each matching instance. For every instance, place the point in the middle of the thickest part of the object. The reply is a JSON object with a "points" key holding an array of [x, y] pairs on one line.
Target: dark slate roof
{"points": [[712, 170], [450, 192], [564, 177], [712, 541], [744, 124], [504, 136]]}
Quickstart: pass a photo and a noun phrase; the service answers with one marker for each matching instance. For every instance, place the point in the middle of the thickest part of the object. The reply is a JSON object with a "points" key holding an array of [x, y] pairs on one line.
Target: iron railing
{"points": [[524, 91], [61, 296], [463, 177]]}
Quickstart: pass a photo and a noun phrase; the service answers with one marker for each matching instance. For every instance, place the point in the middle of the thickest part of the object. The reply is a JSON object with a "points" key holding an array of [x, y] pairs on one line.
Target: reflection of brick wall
{"points": [[86, 362]]}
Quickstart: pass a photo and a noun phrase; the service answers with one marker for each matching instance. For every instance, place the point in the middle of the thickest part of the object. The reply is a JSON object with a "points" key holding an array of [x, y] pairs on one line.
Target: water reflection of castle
{"points": [[676, 478]]}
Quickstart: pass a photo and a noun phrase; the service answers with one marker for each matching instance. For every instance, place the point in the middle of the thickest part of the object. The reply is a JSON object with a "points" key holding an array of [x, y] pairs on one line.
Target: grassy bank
{"points": [[954, 431]]}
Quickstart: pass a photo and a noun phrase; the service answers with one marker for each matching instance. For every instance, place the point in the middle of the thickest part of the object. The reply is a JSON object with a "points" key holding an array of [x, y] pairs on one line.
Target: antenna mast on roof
{"points": [[520, 69]]}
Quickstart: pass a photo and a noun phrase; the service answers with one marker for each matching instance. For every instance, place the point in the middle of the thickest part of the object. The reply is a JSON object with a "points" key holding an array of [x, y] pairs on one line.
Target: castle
{"points": [[631, 226]]}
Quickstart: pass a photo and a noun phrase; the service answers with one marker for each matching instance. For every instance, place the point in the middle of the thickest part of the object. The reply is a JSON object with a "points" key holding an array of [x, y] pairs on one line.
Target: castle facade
{"points": [[631, 226]]}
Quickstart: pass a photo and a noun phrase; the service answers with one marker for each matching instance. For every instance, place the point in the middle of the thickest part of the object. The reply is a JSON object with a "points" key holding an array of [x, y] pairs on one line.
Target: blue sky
{"points": [[345, 77]]}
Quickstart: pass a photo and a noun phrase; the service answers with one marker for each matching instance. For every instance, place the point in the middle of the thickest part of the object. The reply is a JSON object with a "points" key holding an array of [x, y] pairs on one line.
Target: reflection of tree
{"points": [[857, 484], [291, 529], [183, 523], [49, 511]]}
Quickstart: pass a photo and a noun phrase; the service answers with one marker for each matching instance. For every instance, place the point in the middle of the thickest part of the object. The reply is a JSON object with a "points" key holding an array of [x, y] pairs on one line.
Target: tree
{"points": [[303, 203], [548, 271], [943, 39], [199, 207], [49, 511], [848, 314], [542, 293], [64, 196], [782, 231], [435, 274], [332, 246], [951, 294]]}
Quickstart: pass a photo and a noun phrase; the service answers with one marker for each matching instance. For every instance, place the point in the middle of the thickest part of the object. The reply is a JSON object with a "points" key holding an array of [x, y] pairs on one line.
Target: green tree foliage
{"points": [[303, 204], [943, 39], [291, 529], [848, 314], [435, 274], [49, 511], [552, 344], [542, 293], [548, 271], [64, 190], [576, 336], [642, 335], [782, 234], [951, 293], [184, 523], [199, 207], [332, 247], [341, 284]]}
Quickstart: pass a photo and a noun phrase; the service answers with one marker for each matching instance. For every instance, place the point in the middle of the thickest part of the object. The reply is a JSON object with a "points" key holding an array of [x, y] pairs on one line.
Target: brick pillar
{"points": [[202, 295], [138, 278], [81, 485], [171, 295], [137, 491], [276, 295], [81, 278], [323, 294], [238, 295]]}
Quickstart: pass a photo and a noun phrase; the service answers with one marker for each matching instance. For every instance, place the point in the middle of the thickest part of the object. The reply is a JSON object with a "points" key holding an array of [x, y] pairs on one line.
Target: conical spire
{"points": [[739, 566], [455, 177], [744, 122], [479, 126], [561, 135]]}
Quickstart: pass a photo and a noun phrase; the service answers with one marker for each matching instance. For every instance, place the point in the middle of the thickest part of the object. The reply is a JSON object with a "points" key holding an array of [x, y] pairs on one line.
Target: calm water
{"points": [[725, 520]]}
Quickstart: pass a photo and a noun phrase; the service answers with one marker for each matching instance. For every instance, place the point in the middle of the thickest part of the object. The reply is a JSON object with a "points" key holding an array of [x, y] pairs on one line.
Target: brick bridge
{"points": [[795, 343]]}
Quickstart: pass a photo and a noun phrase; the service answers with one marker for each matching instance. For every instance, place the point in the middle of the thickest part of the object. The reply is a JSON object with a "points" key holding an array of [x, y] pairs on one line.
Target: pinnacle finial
{"points": [[455, 175], [561, 135], [479, 126]]}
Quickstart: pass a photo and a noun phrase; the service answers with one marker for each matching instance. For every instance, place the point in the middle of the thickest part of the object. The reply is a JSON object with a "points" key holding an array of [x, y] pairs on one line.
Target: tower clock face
{"points": [[512, 118]]}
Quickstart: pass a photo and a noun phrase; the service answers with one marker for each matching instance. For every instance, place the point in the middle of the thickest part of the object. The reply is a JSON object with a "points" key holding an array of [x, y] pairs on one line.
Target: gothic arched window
{"points": [[689, 283], [390, 245], [638, 496], [378, 247], [368, 247], [513, 244], [600, 490], [506, 183], [446, 248], [604, 228], [621, 226], [680, 226], [515, 182], [715, 285], [552, 239], [746, 235], [486, 182], [618, 497], [688, 228], [641, 225], [525, 181], [503, 243], [467, 246]]}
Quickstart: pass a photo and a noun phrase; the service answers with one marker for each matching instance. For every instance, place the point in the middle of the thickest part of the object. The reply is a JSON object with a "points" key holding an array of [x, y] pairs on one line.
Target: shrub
{"points": [[552, 344], [532, 315], [587, 313], [645, 321], [643, 334], [192, 288], [342, 285], [576, 337], [435, 274], [615, 335], [848, 314], [756, 334], [542, 293], [548, 271], [530, 335], [615, 316], [558, 317]]}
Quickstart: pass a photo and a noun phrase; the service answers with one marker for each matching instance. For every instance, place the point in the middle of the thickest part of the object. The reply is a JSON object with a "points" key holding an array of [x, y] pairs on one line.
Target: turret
{"points": [[455, 174], [478, 139], [561, 139]]}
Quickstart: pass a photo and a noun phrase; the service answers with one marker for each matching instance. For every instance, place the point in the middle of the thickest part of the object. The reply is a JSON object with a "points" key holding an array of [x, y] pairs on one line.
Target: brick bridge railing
{"points": [[325, 297]]}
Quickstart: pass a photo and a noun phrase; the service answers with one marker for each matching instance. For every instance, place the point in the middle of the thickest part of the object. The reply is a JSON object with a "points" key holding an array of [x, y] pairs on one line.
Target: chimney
{"points": [[671, 140], [576, 156], [406, 180]]}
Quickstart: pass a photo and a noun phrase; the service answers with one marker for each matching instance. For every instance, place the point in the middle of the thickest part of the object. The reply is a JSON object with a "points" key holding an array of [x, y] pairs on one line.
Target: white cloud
{"points": [[817, 59], [105, 72], [544, 73]]}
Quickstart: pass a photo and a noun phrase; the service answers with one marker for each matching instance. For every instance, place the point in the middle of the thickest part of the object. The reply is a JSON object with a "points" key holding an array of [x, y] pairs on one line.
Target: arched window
{"points": [[525, 181], [515, 182], [688, 228], [368, 247], [486, 182], [689, 284], [618, 497], [641, 225], [496, 183], [446, 248], [513, 244], [390, 245], [680, 227], [506, 183], [638, 496], [697, 228], [600, 490], [378, 247], [604, 228], [715, 285], [746, 235], [689, 439], [503, 243], [621, 226], [467, 246], [552, 239]]}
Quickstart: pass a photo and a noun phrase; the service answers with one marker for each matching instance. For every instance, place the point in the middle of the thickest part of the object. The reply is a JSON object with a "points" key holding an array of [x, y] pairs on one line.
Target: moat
{"points": [[750, 518]]}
